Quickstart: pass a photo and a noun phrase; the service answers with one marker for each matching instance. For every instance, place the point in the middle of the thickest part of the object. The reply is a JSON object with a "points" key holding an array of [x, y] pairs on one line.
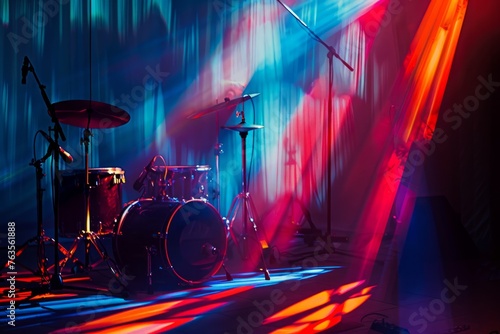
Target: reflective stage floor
{"points": [[313, 287]]}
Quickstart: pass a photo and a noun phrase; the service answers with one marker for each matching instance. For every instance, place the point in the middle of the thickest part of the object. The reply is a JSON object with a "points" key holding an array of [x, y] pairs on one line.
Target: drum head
{"points": [[196, 241]]}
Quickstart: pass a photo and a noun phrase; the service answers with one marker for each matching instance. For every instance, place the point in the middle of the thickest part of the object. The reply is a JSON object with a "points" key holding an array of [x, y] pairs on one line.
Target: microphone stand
{"points": [[331, 53], [40, 237], [39, 196], [56, 279]]}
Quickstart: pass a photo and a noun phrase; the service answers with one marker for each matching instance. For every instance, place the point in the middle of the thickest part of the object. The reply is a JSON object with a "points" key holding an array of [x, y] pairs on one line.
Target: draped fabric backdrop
{"points": [[164, 60]]}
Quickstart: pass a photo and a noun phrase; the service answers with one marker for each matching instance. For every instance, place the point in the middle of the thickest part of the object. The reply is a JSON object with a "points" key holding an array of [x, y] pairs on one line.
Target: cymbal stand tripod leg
{"points": [[243, 200], [252, 214]]}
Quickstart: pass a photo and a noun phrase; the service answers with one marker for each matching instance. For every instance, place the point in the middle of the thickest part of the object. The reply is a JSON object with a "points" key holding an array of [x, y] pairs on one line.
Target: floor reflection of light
{"points": [[286, 274], [318, 311], [164, 312]]}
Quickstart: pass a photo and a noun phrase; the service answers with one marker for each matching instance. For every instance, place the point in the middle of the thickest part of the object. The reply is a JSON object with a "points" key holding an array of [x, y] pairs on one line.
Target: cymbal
{"points": [[243, 127], [226, 105], [91, 114]]}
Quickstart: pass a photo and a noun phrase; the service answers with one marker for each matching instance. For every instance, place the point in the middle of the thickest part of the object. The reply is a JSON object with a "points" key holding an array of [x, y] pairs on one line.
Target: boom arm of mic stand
{"points": [[50, 107], [328, 47]]}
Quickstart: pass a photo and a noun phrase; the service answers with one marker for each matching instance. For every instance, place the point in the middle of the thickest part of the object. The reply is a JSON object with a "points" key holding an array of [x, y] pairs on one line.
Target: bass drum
{"points": [[186, 241]]}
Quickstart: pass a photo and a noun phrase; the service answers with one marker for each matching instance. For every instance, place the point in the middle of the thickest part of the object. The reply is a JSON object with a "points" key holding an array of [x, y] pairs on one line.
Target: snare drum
{"points": [[181, 183], [105, 200]]}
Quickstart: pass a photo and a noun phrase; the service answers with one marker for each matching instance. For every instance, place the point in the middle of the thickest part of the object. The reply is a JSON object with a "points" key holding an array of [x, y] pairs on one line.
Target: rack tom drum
{"points": [[181, 183]]}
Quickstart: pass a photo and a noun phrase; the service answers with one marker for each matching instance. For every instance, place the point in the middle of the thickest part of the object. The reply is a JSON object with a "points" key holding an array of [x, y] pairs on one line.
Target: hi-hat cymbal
{"points": [[243, 127], [226, 105], [91, 114]]}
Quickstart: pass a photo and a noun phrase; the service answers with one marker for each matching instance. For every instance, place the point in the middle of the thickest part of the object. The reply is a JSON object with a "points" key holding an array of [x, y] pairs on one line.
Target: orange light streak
{"points": [[421, 85], [321, 314], [348, 287], [353, 303], [137, 313], [304, 305], [325, 317]]}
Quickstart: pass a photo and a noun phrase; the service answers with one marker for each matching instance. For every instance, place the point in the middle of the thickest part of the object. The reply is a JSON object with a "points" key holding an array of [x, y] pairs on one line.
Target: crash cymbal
{"points": [[243, 127], [226, 105], [91, 114]]}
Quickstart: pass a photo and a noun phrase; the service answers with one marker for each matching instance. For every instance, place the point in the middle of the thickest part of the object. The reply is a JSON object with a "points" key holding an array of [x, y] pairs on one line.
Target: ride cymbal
{"points": [[90, 114], [226, 105], [243, 127]]}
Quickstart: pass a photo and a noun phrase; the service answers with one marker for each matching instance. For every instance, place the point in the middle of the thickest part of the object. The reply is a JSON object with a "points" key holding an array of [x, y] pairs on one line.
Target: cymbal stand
{"points": [[217, 152], [89, 237], [244, 201]]}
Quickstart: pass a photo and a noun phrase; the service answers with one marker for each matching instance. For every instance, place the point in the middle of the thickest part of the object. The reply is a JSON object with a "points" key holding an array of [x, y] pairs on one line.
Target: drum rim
{"points": [[166, 226], [165, 241], [104, 170], [178, 168]]}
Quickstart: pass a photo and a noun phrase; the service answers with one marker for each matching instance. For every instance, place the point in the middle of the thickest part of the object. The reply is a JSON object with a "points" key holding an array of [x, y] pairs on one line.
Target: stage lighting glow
{"points": [[417, 94]]}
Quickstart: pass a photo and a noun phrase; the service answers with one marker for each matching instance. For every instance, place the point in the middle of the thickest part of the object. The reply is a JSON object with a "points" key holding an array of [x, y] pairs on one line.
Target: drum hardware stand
{"points": [[228, 104], [217, 151], [149, 250], [331, 53], [243, 199], [88, 237]]}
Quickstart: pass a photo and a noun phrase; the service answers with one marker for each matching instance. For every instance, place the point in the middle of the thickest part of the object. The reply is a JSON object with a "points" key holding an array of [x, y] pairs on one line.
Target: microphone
{"points": [[67, 158], [25, 70], [140, 180]]}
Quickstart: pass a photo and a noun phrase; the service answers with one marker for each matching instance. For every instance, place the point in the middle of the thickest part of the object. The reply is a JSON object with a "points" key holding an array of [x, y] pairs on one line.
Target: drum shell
{"points": [[180, 183], [105, 199], [186, 241]]}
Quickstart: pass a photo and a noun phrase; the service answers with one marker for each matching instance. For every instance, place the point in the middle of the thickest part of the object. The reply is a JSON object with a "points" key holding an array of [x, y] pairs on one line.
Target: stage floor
{"points": [[312, 288]]}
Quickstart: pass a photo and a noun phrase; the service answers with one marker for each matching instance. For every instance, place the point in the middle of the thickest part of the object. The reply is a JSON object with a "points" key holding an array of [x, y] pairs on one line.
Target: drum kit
{"points": [[170, 232]]}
